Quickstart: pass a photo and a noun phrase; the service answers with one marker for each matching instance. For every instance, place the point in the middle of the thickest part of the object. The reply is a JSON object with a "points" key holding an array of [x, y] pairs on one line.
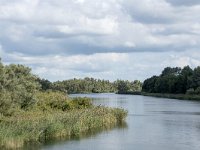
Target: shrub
{"points": [[51, 100], [58, 100], [5, 102], [81, 102], [197, 91], [190, 91]]}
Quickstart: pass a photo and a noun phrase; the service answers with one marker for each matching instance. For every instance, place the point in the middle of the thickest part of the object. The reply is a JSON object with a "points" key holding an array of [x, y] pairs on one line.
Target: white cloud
{"points": [[102, 38], [110, 66]]}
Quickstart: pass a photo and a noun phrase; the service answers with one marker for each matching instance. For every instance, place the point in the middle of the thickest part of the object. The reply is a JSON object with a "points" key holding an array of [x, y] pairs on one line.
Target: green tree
{"points": [[136, 86], [149, 85], [170, 71], [18, 87], [45, 84], [123, 86], [196, 78]]}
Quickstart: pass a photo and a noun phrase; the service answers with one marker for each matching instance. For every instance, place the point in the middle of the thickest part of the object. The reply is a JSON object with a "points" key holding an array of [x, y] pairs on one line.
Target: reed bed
{"points": [[37, 126]]}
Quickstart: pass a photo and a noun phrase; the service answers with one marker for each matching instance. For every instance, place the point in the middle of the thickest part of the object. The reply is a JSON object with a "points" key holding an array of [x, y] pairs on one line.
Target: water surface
{"points": [[152, 124]]}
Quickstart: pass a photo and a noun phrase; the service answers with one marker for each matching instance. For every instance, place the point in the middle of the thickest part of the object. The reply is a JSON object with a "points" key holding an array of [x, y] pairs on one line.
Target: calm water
{"points": [[152, 124]]}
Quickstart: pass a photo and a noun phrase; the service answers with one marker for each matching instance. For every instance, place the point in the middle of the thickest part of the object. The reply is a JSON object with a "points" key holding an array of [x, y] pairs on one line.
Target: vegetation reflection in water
{"points": [[60, 140]]}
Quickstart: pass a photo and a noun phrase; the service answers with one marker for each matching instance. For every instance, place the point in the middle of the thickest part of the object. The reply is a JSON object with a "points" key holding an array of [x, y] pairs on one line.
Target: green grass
{"points": [[37, 126]]}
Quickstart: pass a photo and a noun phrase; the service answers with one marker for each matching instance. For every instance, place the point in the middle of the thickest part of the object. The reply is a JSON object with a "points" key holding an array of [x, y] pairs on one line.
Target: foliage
{"points": [[45, 84], [17, 87], [175, 81], [33, 110], [190, 91], [38, 126], [197, 91], [91, 85], [46, 101], [86, 85], [126, 87]]}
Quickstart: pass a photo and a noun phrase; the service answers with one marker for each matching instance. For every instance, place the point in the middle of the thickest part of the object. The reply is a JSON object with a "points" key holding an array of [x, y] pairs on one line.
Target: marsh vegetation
{"points": [[29, 114]]}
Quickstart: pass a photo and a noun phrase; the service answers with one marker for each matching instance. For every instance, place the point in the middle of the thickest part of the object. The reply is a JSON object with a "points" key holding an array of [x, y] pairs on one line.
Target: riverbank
{"points": [[166, 95], [54, 115], [130, 93], [173, 96], [37, 126]]}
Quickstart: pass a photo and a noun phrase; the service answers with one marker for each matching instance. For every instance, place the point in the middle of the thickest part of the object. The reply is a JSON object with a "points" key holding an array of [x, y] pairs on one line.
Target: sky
{"points": [[106, 39]]}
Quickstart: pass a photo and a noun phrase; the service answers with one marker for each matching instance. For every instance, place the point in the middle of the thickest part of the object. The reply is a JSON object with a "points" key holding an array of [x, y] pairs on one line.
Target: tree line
{"points": [[91, 85], [174, 80]]}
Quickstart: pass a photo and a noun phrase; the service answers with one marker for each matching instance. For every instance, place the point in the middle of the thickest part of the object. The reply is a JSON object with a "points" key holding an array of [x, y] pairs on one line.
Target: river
{"points": [[152, 124]]}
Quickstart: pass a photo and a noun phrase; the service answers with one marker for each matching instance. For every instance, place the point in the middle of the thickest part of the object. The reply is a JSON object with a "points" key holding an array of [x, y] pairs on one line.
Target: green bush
{"points": [[190, 91], [81, 102], [58, 100], [5, 103], [197, 91]]}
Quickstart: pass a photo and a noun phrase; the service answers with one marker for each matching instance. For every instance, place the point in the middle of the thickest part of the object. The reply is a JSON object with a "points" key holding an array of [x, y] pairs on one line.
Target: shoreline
{"points": [[37, 126], [173, 96], [166, 95]]}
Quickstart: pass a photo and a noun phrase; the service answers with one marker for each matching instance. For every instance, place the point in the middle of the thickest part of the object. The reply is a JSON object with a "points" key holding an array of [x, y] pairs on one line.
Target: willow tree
{"points": [[17, 87]]}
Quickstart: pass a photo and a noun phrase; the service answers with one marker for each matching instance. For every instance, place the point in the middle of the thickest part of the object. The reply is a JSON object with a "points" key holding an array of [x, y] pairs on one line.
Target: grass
{"points": [[37, 126]]}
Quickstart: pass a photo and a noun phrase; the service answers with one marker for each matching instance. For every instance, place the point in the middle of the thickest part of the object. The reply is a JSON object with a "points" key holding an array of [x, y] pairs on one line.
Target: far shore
{"points": [[166, 95]]}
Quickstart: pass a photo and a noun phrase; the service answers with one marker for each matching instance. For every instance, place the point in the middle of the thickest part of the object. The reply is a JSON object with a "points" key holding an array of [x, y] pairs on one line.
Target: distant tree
{"points": [[86, 85], [184, 80], [197, 91], [45, 84], [196, 78], [136, 86], [123, 86], [149, 84], [174, 80], [170, 71]]}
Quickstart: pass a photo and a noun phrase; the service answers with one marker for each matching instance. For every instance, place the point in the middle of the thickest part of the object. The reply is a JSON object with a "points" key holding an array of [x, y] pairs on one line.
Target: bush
{"points": [[81, 102], [190, 91], [51, 100], [5, 103], [197, 91], [58, 100]]}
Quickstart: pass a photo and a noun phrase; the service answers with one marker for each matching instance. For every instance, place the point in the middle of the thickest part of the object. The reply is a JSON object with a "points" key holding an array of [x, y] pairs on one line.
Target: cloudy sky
{"points": [[107, 39]]}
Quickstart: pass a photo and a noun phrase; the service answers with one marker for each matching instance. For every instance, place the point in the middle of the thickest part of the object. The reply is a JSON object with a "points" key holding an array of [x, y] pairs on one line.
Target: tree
{"points": [[136, 86], [45, 84], [18, 86], [174, 80], [196, 78], [184, 80], [2, 76], [123, 86], [169, 70], [149, 84]]}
